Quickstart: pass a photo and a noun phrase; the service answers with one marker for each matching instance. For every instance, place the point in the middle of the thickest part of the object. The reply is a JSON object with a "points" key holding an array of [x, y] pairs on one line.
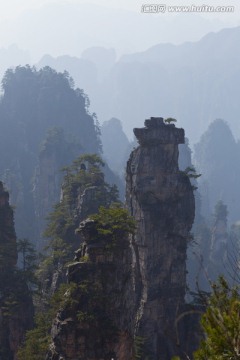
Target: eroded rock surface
{"points": [[130, 301], [96, 323], [160, 198], [16, 308]]}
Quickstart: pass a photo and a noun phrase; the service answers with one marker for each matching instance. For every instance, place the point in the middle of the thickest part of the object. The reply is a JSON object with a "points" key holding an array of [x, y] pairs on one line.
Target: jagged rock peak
{"points": [[160, 198], [129, 291], [157, 131]]}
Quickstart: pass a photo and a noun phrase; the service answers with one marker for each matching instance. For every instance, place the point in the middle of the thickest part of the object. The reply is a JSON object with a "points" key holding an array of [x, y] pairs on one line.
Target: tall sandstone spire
{"points": [[143, 279], [160, 198], [16, 308]]}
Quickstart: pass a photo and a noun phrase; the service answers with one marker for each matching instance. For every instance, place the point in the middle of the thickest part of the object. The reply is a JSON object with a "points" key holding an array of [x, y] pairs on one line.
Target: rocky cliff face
{"points": [[16, 309], [95, 322], [160, 198], [55, 153], [41, 109], [7, 232], [129, 302]]}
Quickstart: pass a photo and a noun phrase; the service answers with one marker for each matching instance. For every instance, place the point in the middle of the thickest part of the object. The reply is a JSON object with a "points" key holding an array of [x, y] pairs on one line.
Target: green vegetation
{"points": [[113, 224], [28, 262], [86, 300], [38, 340], [14, 292], [221, 324], [83, 175], [38, 105], [190, 171], [138, 347], [170, 120]]}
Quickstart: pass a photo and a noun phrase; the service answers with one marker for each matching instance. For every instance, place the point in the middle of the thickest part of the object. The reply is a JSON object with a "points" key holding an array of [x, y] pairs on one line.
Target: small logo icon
{"points": [[153, 8]]}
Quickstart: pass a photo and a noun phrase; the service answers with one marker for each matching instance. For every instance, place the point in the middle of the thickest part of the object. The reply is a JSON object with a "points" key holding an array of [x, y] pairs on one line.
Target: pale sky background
{"points": [[12, 8], [59, 27]]}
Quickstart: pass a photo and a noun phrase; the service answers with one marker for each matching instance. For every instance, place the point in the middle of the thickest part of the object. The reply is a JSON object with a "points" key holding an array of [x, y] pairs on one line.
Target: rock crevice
{"points": [[160, 198]]}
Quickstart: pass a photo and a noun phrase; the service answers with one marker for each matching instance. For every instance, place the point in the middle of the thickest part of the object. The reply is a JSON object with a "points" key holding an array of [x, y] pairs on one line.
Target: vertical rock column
{"points": [[8, 243], [16, 308], [96, 324], [160, 197]]}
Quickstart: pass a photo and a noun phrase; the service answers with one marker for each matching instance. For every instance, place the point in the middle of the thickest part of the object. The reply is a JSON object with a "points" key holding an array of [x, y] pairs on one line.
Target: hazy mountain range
{"points": [[68, 27], [195, 82]]}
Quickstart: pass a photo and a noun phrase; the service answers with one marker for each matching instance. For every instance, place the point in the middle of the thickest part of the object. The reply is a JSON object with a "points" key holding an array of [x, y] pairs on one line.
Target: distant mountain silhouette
{"points": [[195, 82], [70, 27]]}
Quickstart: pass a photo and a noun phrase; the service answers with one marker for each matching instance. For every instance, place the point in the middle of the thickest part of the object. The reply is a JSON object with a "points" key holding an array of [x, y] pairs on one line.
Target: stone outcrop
{"points": [[129, 303], [8, 255], [97, 323], [160, 198], [16, 308]]}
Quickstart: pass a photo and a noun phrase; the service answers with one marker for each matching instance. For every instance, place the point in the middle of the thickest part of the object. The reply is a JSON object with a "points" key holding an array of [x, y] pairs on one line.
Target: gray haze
{"points": [[133, 65], [195, 82], [69, 27], [162, 75]]}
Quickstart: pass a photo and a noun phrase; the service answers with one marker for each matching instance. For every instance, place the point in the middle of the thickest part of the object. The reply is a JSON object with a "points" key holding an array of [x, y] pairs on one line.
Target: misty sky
{"points": [[12, 8], [69, 27]]}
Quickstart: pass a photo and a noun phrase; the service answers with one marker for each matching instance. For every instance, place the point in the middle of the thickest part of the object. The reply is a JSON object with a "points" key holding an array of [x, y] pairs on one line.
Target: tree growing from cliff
{"points": [[83, 175], [37, 340], [170, 120], [28, 262], [113, 224], [221, 324]]}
